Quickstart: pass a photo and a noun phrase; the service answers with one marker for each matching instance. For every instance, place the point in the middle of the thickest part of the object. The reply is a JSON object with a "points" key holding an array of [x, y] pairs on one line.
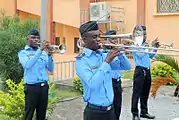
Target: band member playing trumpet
{"points": [[95, 70], [141, 78], [116, 80], [35, 61]]}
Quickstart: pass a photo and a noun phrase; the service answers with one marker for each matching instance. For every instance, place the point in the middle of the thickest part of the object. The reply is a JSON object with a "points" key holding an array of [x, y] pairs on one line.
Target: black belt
{"points": [[140, 67], [41, 84], [116, 80], [106, 108]]}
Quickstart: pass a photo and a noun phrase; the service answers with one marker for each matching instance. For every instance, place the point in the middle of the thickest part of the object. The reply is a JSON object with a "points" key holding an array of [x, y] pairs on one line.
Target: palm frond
{"points": [[171, 61]]}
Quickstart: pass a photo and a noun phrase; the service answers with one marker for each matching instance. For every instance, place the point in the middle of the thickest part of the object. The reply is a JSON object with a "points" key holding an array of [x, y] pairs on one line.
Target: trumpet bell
{"points": [[62, 48], [58, 48], [80, 43]]}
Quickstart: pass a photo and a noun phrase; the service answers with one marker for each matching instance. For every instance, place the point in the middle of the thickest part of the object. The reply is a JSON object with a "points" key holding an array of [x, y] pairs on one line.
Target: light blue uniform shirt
{"points": [[35, 65], [142, 59], [96, 76], [126, 66]]}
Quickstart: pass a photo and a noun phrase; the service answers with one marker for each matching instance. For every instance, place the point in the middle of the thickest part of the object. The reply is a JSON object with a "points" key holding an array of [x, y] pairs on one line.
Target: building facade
{"points": [[64, 18]]}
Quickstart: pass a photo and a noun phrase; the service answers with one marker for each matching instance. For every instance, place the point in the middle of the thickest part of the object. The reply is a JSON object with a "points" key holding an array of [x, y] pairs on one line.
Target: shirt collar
{"points": [[27, 47], [143, 44], [88, 51]]}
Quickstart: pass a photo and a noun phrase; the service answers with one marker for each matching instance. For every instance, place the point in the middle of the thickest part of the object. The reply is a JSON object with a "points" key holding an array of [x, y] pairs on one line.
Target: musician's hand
{"points": [[125, 42], [113, 40], [50, 49], [45, 45], [112, 54], [156, 42]]}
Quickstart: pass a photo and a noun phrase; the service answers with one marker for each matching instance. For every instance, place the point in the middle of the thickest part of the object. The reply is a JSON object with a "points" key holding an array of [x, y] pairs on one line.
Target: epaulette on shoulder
{"points": [[80, 55]]}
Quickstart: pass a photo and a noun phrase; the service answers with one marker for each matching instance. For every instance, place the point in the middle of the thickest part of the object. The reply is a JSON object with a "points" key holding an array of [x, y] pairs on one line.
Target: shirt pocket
{"points": [[94, 68], [42, 61]]}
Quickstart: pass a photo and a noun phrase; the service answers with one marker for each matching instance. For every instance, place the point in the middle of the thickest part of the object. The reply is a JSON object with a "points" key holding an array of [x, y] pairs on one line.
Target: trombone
{"points": [[137, 49], [137, 32]]}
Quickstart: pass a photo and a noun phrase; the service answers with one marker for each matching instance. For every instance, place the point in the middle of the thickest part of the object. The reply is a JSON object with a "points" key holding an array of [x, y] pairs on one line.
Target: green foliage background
{"points": [[77, 84], [13, 35], [12, 101]]}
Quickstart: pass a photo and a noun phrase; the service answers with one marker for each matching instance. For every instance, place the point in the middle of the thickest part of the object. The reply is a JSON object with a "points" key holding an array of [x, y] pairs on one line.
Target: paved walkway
{"points": [[164, 106]]}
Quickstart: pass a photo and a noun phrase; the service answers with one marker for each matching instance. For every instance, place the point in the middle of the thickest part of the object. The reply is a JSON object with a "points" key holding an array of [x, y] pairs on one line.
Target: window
{"points": [[63, 40], [167, 6], [57, 40]]}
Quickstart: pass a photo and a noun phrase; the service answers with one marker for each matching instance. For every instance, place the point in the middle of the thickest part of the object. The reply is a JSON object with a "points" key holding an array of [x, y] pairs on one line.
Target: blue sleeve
{"points": [[124, 61], [28, 62], [120, 63], [50, 64], [152, 55], [93, 81]]}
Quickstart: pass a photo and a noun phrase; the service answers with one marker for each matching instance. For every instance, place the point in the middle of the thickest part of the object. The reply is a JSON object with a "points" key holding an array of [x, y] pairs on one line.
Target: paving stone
{"points": [[164, 106]]}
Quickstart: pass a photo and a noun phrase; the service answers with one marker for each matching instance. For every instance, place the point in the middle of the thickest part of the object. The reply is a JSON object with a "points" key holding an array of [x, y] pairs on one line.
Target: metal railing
{"points": [[64, 70]]}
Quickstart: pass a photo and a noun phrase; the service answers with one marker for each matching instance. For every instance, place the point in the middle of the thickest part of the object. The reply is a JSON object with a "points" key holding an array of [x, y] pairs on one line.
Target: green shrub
{"points": [[77, 84], [13, 35], [52, 99], [12, 101], [164, 70], [5, 117]]}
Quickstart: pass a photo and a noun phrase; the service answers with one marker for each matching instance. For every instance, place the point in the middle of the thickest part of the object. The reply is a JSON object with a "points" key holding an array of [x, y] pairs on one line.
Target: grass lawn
{"points": [[62, 94], [127, 74]]}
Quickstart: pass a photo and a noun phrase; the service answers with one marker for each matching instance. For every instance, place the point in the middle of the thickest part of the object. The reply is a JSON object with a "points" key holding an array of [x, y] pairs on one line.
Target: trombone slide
{"points": [[127, 35]]}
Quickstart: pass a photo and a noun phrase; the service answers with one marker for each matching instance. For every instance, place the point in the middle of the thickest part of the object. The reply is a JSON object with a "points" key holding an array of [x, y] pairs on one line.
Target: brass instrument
{"points": [[134, 38], [57, 48], [139, 49]]}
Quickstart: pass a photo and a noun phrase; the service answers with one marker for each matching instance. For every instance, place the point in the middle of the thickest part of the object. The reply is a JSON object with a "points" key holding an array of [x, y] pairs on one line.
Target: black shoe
{"points": [[135, 118], [147, 116]]}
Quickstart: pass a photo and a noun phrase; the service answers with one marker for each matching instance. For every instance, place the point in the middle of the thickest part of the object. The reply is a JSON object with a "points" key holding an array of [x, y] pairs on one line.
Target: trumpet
{"points": [[125, 36], [61, 48], [57, 48]]}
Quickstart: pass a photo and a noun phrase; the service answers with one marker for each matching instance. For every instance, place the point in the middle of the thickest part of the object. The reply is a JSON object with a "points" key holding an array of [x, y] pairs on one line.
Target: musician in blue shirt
{"points": [[141, 79], [116, 80], [36, 62], [95, 71]]}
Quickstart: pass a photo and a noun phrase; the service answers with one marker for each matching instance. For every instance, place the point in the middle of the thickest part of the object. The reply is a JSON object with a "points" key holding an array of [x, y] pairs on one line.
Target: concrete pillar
{"points": [[43, 20], [50, 26], [141, 12], [46, 22], [15, 6]]}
